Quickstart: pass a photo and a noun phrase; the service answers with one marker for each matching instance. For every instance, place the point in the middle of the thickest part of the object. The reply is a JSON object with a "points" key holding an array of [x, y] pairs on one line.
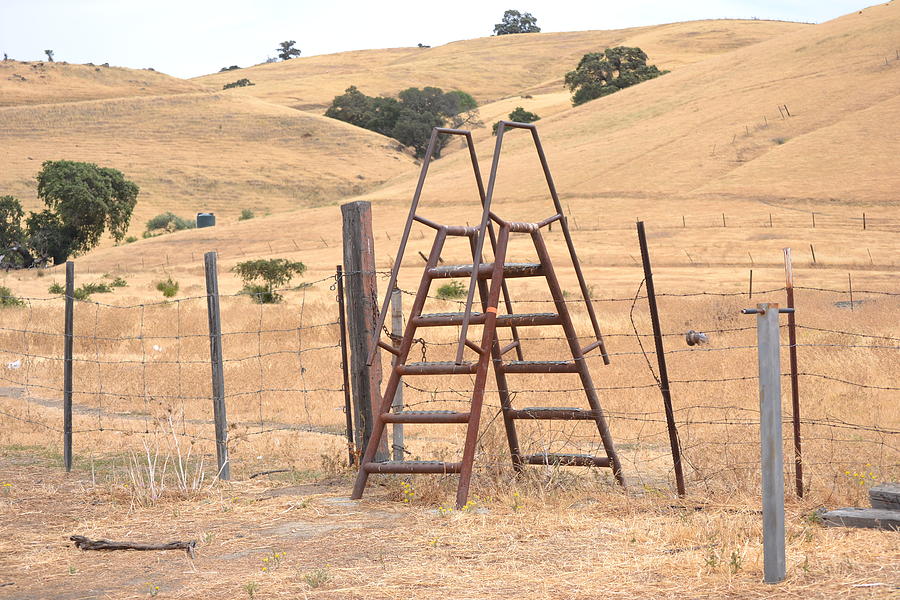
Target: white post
{"points": [[772, 458], [397, 403]]}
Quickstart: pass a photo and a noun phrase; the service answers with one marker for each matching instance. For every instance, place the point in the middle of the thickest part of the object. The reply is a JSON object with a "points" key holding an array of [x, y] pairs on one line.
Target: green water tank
{"points": [[206, 220]]}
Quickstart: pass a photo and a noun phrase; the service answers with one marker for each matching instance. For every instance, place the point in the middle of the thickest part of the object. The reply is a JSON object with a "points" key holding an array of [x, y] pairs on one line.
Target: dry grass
{"points": [[143, 375]]}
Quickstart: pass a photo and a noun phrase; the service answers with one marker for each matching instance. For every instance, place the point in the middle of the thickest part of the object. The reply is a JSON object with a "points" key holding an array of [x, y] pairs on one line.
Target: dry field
{"points": [[678, 152]]}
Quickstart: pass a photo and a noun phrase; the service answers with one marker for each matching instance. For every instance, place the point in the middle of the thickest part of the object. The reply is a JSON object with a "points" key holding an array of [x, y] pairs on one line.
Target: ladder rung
{"points": [[486, 269], [437, 368], [426, 416], [413, 466], [540, 366], [553, 412], [566, 460], [477, 318]]}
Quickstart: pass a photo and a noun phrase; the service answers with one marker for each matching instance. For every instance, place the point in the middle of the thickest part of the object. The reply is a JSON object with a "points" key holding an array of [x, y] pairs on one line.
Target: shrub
{"points": [[56, 288], [452, 291], [118, 282], [262, 276], [169, 222], [246, 214], [7, 299], [130, 239], [169, 287], [242, 82], [87, 289], [519, 115]]}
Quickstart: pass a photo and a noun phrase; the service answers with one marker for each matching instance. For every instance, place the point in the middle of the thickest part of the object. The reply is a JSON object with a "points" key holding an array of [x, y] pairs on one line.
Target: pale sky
{"points": [[187, 38]]}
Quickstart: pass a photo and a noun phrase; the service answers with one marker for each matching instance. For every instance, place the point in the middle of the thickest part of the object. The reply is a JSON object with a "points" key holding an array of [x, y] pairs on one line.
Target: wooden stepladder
{"points": [[489, 281]]}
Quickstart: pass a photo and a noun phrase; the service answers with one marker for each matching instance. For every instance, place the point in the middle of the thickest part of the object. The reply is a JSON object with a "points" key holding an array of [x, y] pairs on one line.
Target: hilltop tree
{"points": [[286, 50], [603, 73], [49, 54], [515, 22]]}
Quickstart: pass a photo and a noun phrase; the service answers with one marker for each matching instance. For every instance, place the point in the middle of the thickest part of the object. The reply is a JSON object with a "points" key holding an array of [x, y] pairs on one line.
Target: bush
{"points": [[56, 288], [130, 239], [118, 282], [452, 291], [169, 287], [246, 214], [169, 222], [519, 115], [262, 276], [242, 82], [7, 299], [87, 289]]}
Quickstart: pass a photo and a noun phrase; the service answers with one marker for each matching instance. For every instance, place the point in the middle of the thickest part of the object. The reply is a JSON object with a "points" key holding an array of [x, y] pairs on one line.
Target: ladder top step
{"points": [[485, 270]]}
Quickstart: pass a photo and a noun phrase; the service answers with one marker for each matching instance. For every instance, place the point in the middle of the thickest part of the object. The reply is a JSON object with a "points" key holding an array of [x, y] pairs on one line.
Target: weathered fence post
{"points": [[771, 456], [345, 368], [67, 365], [795, 379], [397, 403], [661, 360], [362, 311], [216, 363]]}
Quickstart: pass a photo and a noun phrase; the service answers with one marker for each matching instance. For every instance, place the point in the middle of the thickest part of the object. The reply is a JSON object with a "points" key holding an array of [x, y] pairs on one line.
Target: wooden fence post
{"points": [[661, 361], [362, 311], [216, 364], [397, 403], [67, 365]]}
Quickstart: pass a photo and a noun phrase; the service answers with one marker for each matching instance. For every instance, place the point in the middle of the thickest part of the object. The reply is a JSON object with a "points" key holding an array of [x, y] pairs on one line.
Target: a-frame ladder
{"points": [[488, 352]]}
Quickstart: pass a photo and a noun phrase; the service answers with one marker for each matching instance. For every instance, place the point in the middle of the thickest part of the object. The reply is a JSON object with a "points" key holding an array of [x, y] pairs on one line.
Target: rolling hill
{"points": [[489, 68]]}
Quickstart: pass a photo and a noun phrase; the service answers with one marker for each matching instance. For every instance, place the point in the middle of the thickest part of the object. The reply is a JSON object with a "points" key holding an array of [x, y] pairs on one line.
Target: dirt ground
{"points": [[293, 538]]}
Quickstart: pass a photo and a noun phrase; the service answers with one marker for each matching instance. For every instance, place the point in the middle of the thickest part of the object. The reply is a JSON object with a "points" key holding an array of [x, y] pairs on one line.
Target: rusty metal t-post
{"points": [[345, 367], [661, 360], [795, 384]]}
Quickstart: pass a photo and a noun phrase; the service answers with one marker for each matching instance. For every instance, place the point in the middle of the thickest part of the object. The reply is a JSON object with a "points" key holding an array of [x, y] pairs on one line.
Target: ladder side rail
{"points": [[512, 436], [488, 338], [566, 232], [479, 244], [575, 347], [378, 425], [407, 228]]}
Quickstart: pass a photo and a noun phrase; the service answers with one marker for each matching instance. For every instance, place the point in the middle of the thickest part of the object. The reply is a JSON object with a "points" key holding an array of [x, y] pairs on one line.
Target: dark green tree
{"points": [[603, 73], [49, 54], [12, 235], [515, 22], [83, 201], [410, 118], [262, 276], [286, 50]]}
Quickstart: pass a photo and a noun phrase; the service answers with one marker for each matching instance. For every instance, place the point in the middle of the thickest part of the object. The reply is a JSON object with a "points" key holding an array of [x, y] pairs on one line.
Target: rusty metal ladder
{"points": [[488, 352]]}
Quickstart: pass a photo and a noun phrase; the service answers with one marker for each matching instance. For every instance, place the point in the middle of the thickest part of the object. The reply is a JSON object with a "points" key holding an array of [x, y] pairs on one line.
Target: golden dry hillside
{"points": [[489, 68], [45, 83], [713, 130], [201, 151]]}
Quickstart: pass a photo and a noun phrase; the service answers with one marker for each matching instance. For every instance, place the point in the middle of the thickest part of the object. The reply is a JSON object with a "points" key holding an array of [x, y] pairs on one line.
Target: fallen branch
{"points": [[89, 544], [261, 473]]}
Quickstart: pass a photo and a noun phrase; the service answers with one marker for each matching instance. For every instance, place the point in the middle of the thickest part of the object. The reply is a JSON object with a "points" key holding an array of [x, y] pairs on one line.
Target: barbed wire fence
{"points": [[141, 376]]}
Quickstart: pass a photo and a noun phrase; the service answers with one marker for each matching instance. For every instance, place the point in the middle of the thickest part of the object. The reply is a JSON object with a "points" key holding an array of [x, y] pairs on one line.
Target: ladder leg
{"points": [[378, 425], [572, 338], [512, 436], [488, 337]]}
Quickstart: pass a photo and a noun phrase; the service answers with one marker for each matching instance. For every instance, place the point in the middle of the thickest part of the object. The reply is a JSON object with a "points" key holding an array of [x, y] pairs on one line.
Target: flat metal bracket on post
{"points": [[771, 453]]}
